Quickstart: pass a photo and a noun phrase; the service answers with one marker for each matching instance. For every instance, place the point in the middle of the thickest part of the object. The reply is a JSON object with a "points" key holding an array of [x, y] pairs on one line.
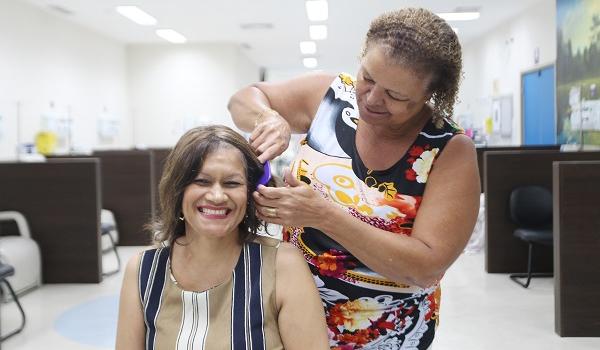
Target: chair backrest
{"points": [[107, 217], [531, 206], [108, 224], [19, 219]]}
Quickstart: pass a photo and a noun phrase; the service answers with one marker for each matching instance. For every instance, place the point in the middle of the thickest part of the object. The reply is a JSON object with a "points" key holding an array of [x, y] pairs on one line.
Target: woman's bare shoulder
{"points": [[289, 257]]}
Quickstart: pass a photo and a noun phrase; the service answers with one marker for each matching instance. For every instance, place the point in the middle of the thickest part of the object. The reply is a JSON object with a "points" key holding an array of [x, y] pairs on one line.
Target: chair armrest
{"points": [[19, 219], [6, 271]]}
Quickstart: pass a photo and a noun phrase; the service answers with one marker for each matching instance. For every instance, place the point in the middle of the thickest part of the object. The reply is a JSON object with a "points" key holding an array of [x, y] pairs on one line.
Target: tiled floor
{"points": [[489, 311], [479, 311]]}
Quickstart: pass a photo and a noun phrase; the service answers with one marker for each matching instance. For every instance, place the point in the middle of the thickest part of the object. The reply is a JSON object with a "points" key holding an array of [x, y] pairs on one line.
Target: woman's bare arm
{"points": [[301, 316], [272, 111], [131, 332]]}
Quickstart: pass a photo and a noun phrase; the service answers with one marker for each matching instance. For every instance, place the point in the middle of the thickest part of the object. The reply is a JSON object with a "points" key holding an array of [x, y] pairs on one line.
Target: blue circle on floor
{"points": [[92, 323]]}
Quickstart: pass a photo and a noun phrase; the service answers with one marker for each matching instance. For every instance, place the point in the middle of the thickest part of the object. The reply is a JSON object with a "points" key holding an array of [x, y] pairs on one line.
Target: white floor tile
{"points": [[489, 311]]}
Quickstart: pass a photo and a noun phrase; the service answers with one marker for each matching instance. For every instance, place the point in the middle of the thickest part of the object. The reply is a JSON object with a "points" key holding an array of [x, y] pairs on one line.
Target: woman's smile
{"points": [[377, 111], [213, 212]]}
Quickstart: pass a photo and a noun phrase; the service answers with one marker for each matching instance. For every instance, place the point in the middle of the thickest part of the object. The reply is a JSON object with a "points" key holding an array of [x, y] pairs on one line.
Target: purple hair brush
{"points": [[266, 176]]}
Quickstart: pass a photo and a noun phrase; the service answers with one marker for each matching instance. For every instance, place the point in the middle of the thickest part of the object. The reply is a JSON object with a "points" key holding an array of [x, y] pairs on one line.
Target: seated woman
{"points": [[211, 284]]}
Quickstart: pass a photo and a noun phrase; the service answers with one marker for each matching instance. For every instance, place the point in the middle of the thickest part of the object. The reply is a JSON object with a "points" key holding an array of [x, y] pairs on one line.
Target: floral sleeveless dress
{"points": [[363, 309]]}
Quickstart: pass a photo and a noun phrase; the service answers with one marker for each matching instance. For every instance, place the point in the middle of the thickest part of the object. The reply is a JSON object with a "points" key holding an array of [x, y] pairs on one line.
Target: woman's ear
{"points": [[429, 96], [428, 93]]}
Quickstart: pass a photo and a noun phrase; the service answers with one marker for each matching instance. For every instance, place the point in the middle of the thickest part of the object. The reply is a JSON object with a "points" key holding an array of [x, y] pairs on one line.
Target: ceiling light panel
{"points": [[256, 25], [136, 15], [310, 62], [318, 31], [317, 10], [308, 47], [171, 36], [459, 16]]}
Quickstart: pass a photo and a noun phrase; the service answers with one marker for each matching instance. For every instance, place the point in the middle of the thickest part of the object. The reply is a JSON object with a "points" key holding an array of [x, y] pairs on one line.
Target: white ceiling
{"points": [[276, 48]]}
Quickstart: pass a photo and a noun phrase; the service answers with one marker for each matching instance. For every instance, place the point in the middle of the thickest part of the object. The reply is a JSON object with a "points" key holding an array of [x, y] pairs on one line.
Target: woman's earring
{"points": [[181, 218]]}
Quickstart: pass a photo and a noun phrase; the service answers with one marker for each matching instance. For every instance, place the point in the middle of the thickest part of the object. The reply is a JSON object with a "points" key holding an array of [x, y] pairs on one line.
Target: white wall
{"points": [[46, 59], [51, 66], [493, 64], [173, 88], [158, 91]]}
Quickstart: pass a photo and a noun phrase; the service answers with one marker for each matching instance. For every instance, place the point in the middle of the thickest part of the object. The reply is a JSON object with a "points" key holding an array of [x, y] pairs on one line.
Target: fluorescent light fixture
{"points": [[256, 25], [171, 35], [308, 47], [459, 16], [135, 14], [318, 31], [310, 62], [317, 10]]}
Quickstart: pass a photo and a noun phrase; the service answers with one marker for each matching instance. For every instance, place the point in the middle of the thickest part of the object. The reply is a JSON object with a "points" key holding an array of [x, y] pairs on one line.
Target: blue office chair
{"points": [[531, 211], [5, 272]]}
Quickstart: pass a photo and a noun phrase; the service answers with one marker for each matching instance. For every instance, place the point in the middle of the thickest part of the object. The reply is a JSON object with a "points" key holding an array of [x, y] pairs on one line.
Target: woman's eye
{"points": [[232, 184], [395, 98], [201, 182]]}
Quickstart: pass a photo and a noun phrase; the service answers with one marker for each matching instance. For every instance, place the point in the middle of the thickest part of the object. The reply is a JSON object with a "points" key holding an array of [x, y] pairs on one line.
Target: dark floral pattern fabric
{"points": [[363, 309]]}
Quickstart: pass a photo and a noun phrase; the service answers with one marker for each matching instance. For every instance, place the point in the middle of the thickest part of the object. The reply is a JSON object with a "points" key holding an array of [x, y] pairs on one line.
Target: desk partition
{"points": [[61, 201], [503, 171], [482, 150], [576, 187], [128, 189]]}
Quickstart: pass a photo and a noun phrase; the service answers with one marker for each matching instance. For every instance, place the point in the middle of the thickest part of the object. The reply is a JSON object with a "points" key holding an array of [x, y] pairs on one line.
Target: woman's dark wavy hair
{"points": [[181, 168], [423, 41]]}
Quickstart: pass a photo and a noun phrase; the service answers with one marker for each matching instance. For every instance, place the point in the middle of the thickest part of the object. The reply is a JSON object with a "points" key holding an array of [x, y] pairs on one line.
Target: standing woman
{"points": [[384, 192], [211, 284]]}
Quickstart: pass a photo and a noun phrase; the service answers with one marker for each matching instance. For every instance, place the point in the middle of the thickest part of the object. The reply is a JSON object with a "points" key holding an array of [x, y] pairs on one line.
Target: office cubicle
{"points": [[61, 200]]}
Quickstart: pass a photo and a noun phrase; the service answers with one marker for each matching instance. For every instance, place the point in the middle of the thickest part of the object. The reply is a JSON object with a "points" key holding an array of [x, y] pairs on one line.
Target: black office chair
{"points": [[531, 211], [7, 271]]}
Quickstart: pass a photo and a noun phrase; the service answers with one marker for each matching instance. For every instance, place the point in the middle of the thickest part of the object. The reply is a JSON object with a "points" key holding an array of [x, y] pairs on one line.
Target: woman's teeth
{"points": [[214, 211]]}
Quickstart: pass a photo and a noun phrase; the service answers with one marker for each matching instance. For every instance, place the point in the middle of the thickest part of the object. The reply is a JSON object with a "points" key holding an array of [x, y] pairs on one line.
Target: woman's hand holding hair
{"points": [[271, 111], [297, 204], [271, 135]]}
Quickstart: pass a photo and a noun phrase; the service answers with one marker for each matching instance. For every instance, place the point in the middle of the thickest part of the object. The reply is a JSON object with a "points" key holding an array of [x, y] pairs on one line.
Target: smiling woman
{"points": [[384, 191], [211, 283]]}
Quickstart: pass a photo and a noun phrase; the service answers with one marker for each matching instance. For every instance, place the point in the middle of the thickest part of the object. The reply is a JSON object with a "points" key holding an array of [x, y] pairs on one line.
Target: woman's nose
{"points": [[216, 194], [375, 96]]}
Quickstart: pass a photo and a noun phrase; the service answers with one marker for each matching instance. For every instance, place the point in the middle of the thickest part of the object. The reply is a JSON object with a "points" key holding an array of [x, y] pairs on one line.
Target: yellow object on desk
{"points": [[45, 142], [488, 125]]}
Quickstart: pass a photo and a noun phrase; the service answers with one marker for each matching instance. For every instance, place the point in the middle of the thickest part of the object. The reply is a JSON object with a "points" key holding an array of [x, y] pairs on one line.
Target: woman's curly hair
{"points": [[423, 41]]}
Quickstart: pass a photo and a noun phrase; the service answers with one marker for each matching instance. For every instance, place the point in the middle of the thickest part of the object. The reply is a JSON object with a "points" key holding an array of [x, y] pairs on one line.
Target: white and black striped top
{"points": [[238, 314]]}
